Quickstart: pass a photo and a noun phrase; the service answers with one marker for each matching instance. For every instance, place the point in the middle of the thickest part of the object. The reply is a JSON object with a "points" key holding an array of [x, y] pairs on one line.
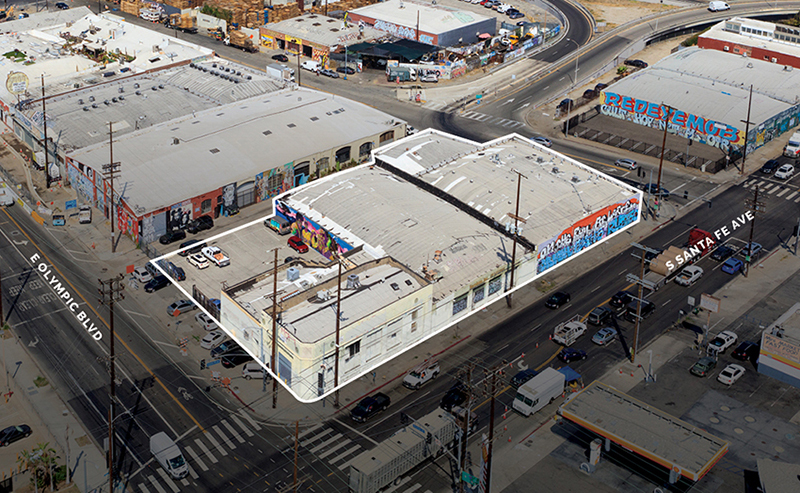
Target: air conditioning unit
{"points": [[774, 60], [323, 295], [292, 274], [726, 48]]}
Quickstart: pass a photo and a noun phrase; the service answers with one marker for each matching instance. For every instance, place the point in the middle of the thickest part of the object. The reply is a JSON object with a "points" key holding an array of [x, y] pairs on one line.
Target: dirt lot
{"points": [[618, 12]]}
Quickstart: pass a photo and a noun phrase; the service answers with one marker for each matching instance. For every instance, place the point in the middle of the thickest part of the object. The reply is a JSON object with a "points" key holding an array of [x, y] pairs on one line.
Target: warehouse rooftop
{"points": [[432, 18], [323, 30]]}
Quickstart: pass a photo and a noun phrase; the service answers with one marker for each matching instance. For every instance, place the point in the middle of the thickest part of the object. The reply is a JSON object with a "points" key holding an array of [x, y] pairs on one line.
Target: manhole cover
{"points": [[750, 419], [724, 408], [714, 420], [738, 431], [779, 449]]}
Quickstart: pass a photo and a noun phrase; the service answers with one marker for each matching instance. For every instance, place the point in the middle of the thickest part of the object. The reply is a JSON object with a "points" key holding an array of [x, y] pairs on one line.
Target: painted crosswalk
{"points": [[473, 115], [331, 445], [784, 191]]}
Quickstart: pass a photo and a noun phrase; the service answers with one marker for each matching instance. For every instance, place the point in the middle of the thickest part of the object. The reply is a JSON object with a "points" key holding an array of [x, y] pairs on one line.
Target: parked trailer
{"points": [[413, 444], [668, 265]]}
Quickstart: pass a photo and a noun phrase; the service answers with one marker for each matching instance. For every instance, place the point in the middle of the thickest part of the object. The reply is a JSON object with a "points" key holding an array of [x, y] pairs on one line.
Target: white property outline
{"points": [[371, 162]]}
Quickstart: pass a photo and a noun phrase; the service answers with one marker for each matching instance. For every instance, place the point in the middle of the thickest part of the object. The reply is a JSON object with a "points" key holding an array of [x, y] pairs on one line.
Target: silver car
{"points": [[626, 163]]}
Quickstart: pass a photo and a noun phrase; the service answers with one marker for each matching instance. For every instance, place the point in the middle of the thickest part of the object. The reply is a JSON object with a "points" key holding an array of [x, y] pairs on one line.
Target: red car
{"points": [[297, 244]]}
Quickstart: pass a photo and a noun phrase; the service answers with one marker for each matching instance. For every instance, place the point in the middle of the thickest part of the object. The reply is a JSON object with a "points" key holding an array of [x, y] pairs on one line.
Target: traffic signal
{"points": [[403, 418], [429, 439], [202, 364], [709, 204], [686, 194]]}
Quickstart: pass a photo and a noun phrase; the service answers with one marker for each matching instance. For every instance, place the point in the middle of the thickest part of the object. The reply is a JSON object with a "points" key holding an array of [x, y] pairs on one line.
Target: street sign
{"points": [[692, 301], [469, 479], [212, 363], [708, 302]]}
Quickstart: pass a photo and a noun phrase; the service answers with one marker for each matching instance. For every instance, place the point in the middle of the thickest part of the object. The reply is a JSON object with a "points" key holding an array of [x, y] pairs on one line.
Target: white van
{"points": [[168, 455], [311, 65], [718, 6], [539, 391]]}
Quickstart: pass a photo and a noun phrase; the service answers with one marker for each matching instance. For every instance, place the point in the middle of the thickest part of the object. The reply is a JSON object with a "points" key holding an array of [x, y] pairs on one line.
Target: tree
{"points": [[40, 461]]}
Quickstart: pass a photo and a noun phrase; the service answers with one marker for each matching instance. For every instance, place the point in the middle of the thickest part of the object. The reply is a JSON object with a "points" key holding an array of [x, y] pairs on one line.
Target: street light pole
{"points": [[574, 81], [520, 176], [667, 110], [110, 294]]}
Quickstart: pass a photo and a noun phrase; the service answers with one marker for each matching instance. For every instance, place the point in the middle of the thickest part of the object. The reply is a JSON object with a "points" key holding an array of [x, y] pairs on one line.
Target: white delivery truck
{"points": [[281, 72], [6, 199], [167, 453], [539, 391], [792, 149]]}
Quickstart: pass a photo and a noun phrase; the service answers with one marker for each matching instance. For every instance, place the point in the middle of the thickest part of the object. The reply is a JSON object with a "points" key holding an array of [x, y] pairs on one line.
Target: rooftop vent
{"points": [[138, 93], [353, 282], [267, 132], [136, 86], [91, 98], [291, 125], [80, 101], [214, 150], [575, 179], [395, 286], [323, 295], [121, 98], [314, 118], [554, 170], [292, 274]]}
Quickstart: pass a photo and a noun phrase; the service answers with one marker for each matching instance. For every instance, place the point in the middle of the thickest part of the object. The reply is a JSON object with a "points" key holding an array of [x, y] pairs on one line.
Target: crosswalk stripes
{"points": [[205, 450], [192, 473], [791, 195], [216, 444], [434, 105], [309, 431], [236, 434], [168, 480], [343, 455], [155, 484], [241, 425], [773, 190], [196, 458], [413, 488], [327, 442], [473, 115], [331, 450], [777, 189], [314, 438], [227, 441], [783, 192], [143, 488], [247, 417]]}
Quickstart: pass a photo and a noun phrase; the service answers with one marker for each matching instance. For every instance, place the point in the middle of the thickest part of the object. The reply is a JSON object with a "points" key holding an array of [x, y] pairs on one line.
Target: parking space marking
{"points": [[196, 458], [206, 451], [241, 425], [236, 434]]}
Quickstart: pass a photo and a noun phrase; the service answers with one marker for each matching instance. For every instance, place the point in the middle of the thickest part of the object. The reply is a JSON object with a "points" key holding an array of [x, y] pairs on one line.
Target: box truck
{"points": [[167, 453], [792, 149], [539, 391]]}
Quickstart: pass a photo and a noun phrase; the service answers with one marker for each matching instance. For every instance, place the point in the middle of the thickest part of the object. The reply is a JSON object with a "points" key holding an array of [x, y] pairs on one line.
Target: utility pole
{"points": [[796, 241], [296, 439], [520, 176], [757, 208], [109, 171], [639, 281], [69, 478], [44, 125], [338, 318], [3, 337], [663, 145], [746, 130], [493, 390], [298, 55], [111, 292], [462, 449], [274, 360]]}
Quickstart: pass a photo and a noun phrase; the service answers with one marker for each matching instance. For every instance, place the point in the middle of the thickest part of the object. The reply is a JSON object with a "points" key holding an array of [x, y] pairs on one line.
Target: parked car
{"points": [[648, 307], [588, 94], [604, 336], [422, 374], [296, 244], [224, 347], [785, 172], [626, 163], [191, 247], [703, 366], [254, 369], [565, 104], [172, 236], [429, 77], [181, 306], [689, 275], [753, 250], [557, 300], [62, 6], [620, 300], [747, 351], [543, 141], [198, 260], [732, 266], [369, 407], [13, 434], [142, 275], [329, 73], [202, 223], [599, 316], [346, 70], [598, 88], [158, 282], [212, 339], [205, 321], [568, 355], [722, 253], [770, 166], [730, 374], [514, 14], [176, 272], [234, 358], [280, 57], [520, 378], [636, 63], [456, 396], [722, 342], [653, 189]]}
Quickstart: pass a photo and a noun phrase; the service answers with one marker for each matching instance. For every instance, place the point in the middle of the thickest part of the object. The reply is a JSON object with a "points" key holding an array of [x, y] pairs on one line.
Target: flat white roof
{"points": [[435, 19], [323, 30], [767, 40]]}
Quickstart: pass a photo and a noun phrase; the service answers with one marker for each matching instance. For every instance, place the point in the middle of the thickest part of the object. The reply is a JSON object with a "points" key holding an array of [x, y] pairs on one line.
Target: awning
{"points": [[484, 36]]}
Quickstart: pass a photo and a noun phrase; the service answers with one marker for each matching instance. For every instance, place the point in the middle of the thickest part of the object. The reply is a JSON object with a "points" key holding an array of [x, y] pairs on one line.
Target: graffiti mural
{"points": [[180, 214], [314, 235], [263, 190], [587, 232], [149, 229], [81, 184], [126, 224], [395, 30], [682, 123], [228, 198]]}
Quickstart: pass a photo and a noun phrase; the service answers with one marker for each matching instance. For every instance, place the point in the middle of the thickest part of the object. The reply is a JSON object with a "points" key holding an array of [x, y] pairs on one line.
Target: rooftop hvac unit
{"points": [[292, 274], [575, 179], [353, 282], [726, 48], [554, 170], [323, 295]]}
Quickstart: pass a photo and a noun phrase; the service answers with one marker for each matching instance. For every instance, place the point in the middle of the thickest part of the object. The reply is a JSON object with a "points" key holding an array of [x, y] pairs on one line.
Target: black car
{"points": [[652, 189], [588, 94], [599, 87], [234, 359], [599, 316], [520, 378], [770, 167], [202, 223], [636, 63], [369, 407], [722, 253], [346, 70], [177, 272], [648, 307], [172, 236], [456, 396], [565, 104], [62, 6], [156, 283], [198, 245], [227, 346], [619, 300], [280, 57], [747, 351], [14, 433], [557, 300], [568, 355]]}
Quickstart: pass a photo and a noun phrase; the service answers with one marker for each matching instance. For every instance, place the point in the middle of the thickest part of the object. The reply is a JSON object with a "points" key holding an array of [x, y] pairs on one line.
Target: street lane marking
{"points": [[247, 417], [206, 451], [236, 434], [413, 488], [156, 485], [315, 437], [783, 192], [216, 444], [170, 483], [332, 450], [227, 441], [791, 195], [241, 425], [355, 431], [326, 443], [344, 454], [196, 458], [144, 488]]}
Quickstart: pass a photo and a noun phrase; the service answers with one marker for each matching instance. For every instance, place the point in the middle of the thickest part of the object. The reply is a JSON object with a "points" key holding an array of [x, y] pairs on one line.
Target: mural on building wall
{"points": [[148, 229], [228, 199], [263, 192], [682, 123], [587, 232], [314, 235], [180, 214], [772, 128], [126, 224], [81, 184]]}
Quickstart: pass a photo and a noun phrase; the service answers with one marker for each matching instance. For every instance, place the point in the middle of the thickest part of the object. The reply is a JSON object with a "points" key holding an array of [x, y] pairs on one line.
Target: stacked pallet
{"points": [[131, 6], [291, 10]]}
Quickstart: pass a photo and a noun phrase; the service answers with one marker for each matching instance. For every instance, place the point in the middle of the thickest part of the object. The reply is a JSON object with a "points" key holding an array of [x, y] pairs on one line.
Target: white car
{"points": [[205, 321], [785, 172], [689, 275], [198, 260], [730, 374], [142, 275], [502, 8], [253, 369], [626, 163], [212, 339], [723, 341]]}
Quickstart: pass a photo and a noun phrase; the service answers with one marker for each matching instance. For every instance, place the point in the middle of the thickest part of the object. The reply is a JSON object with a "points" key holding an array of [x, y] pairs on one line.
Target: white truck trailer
{"points": [[420, 440], [539, 391], [792, 148]]}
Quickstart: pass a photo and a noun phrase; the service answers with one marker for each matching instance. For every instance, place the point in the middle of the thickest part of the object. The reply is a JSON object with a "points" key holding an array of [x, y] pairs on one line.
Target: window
{"points": [[495, 285], [205, 206], [478, 294], [413, 326], [364, 149], [354, 348], [323, 164], [387, 136], [343, 155], [415, 314], [460, 303], [275, 180]]}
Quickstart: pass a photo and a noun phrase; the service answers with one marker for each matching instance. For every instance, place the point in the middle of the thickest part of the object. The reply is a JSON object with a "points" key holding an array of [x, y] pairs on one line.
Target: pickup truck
{"points": [[217, 256], [568, 332], [722, 342]]}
